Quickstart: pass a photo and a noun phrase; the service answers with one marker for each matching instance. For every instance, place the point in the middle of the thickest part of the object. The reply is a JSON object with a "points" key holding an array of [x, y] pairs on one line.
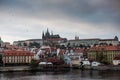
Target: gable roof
{"points": [[107, 48], [117, 57]]}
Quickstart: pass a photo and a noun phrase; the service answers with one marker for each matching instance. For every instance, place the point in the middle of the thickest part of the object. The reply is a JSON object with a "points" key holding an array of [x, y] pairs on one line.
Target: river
{"points": [[71, 75]]}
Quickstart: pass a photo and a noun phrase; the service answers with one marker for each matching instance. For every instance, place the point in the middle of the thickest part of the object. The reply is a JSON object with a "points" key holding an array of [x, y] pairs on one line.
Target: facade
{"points": [[38, 41], [94, 41], [28, 43], [104, 54], [6, 44], [18, 43], [76, 57], [17, 57], [86, 42], [75, 60], [114, 41]]}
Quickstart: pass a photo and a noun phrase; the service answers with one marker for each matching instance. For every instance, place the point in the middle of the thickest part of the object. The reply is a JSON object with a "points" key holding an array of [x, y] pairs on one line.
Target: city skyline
{"points": [[27, 19]]}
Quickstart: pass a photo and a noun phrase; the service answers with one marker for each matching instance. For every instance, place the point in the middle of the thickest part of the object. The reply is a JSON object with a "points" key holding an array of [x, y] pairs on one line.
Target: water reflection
{"points": [[72, 75]]}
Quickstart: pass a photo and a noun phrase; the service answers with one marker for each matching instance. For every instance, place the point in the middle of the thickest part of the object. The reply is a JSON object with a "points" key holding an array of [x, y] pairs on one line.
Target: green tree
{"points": [[101, 57], [1, 61], [25, 44], [0, 56], [33, 63]]}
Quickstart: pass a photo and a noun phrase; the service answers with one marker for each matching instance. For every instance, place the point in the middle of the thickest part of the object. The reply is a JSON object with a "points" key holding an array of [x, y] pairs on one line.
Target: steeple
{"points": [[76, 37], [116, 38], [43, 36], [47, 30], [47, 33]]}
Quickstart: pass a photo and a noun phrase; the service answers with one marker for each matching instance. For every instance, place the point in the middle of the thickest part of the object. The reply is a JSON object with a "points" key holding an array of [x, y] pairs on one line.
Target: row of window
{"points": [[110, 55], [17, 59]]}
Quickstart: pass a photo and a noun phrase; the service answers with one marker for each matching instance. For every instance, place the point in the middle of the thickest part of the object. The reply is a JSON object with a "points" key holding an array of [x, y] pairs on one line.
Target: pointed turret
{"points": [[1, 42], [47, 35], [43, 36], [116, 38]]}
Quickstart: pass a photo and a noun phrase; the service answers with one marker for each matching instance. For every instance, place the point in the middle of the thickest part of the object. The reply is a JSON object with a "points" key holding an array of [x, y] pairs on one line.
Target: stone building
{"points": [[104, 54], [52, 39], [93, 42]]}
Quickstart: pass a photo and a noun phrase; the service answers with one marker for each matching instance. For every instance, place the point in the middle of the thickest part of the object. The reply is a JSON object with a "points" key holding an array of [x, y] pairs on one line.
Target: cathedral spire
{"points": [[47, 30], [116, 38], [47, 33], [43, 36]]}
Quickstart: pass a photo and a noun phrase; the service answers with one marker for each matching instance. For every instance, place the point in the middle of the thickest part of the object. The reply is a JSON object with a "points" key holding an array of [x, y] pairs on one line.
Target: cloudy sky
{"points": [[27, 19]]}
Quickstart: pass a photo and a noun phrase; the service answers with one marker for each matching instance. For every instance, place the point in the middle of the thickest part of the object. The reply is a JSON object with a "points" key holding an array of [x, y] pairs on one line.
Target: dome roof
{"points": [[1, 40]]}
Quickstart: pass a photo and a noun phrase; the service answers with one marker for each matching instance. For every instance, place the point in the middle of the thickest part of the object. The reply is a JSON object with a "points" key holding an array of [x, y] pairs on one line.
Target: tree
{"points": [[0, 57], [68, 45], [30, 44], [33, 63], [101, 57], [1, 61], [25, 44], [110, 44], [104, 60], [36, 44]]}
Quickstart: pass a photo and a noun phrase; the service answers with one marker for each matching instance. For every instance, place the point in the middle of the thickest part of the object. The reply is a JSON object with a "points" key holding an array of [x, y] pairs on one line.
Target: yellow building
{"points": [[103, 53]]}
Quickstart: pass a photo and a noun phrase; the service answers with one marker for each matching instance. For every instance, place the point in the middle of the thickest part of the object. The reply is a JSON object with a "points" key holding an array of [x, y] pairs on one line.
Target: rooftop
{"points": [[17, 53], [108, 48]]}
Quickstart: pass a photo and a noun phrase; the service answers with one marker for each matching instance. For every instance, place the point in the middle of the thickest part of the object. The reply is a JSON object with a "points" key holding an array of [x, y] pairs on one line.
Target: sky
{"points": [[27, 19]]}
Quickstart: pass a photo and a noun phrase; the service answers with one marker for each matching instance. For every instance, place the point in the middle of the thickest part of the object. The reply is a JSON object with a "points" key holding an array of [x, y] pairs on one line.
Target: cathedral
{"points": [[52, 39], [47, 35]]}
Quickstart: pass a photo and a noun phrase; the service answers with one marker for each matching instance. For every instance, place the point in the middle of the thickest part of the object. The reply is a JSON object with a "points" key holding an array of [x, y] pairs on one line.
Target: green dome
{"points": [[1, 42]]}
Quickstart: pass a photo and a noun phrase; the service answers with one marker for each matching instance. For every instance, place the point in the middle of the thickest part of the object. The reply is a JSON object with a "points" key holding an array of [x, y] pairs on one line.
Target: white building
{"points": [[93, 41], [116, 60], [28, 42]]}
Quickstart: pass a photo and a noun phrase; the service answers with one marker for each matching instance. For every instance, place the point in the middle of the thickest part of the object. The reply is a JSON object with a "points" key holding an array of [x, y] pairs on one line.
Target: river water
{"points": [[71, 75]]}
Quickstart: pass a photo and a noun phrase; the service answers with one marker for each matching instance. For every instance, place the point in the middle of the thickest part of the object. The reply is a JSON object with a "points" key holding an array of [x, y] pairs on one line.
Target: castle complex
{"points": [[51, 39]]}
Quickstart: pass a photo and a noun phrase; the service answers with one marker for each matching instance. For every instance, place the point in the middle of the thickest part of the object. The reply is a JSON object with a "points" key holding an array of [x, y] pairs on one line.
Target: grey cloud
{"points": [[95, 12], [90, 11]]}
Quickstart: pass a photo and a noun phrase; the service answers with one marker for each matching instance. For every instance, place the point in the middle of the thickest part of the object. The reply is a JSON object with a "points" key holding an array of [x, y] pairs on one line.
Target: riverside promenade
{"points": [[27, 68], [108, 67], [14, 68]]}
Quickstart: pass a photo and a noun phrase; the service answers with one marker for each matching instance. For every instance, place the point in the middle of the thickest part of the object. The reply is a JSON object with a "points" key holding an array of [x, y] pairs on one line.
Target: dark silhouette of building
{"points": [[52, 39]]}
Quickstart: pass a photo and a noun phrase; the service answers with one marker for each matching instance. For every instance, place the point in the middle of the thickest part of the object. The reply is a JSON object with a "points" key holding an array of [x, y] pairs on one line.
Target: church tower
{"points": [[116, 38], [47, 35], [43, 36]]}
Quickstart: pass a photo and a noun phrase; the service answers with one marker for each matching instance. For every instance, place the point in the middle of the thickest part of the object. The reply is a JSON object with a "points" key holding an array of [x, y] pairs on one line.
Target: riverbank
{"points": [[110, 67], [14, 68], [28, 68]]}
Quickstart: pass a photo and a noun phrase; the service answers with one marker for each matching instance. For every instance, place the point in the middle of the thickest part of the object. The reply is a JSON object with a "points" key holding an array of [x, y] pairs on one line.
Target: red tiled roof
{"points": [[117, 57], [17, 53], [108, 48], [79, 50]]}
